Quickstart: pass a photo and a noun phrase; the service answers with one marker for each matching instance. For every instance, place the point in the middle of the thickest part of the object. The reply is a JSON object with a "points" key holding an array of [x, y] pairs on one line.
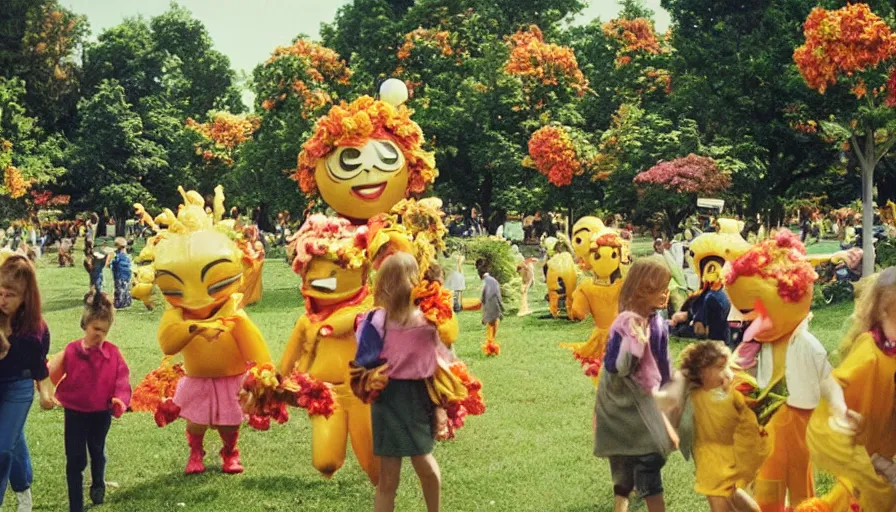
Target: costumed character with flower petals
{"points": [[198, 268], [331, 258], [560, 275], [253, 263], [772, 284], [598, 297], [582, 231], [850, 434], [706, 313]]}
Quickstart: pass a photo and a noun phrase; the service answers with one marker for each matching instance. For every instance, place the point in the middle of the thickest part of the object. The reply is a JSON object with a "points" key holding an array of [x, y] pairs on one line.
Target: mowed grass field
{"points": [[531, 451]]}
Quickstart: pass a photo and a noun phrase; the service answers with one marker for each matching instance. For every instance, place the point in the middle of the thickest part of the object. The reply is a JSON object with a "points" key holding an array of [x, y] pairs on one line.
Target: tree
{"points": [[733, 73], [209, 81], [855, 47], [39, 40], [28, 157], [294, 87], [110, 157], [674, 186]]}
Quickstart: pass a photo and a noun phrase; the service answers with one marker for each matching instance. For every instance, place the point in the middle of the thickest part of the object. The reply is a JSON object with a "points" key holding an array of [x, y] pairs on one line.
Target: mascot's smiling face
{"points": [[360, 182]]}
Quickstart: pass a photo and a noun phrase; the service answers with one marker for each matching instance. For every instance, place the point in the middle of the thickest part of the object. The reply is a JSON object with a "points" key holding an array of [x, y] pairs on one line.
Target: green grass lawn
{"points": [[531, 451]]}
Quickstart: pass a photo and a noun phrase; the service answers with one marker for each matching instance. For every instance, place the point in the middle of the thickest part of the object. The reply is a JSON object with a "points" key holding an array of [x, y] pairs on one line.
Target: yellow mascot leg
{"points": [[554, 303], [788, 467], [328, 440], [361, 435]]}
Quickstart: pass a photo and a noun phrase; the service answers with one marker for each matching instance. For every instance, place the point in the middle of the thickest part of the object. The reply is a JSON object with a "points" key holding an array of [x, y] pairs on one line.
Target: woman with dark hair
{"points": [[23, 362]]}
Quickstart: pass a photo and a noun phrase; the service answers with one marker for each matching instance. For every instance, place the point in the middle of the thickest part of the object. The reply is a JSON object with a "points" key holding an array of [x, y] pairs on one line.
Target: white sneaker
{"points": [[24, 500]]}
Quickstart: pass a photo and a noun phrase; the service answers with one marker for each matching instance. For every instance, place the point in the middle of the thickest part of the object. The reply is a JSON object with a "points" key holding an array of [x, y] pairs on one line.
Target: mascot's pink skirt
{"points": [[210, 400]]}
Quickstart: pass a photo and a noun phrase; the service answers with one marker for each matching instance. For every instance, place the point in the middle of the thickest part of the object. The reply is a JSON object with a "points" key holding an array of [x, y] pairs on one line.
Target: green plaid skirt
{"points": [[402, 420]]}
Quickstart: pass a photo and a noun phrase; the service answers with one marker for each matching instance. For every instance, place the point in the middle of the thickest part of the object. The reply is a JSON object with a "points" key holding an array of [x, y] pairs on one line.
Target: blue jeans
{"points": [[15, 463]]}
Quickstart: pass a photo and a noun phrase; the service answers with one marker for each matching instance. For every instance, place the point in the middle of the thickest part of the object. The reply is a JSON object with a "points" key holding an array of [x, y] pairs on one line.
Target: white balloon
{"points": [[394, 92]]}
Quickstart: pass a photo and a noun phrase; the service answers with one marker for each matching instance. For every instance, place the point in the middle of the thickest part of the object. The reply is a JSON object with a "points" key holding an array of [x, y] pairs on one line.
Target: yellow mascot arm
{"points": [[174, 332], [580, 308], [449, 331], [294, 347], [250, 340]]}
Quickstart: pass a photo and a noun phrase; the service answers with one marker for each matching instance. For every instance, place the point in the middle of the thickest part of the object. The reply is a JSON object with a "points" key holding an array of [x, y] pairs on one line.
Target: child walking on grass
{"points": [[726, 441], [93, 386], [492, 307], [121, 272], [630, 429], [403, 414]]}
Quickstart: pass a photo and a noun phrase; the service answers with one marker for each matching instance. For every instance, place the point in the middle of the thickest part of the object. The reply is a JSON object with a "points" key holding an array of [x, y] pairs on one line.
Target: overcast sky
{"points": [[248, 30]]}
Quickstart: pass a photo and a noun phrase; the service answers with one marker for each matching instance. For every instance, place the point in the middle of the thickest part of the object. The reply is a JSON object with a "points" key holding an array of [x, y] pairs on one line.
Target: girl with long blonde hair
{"points": [[403, 414]]}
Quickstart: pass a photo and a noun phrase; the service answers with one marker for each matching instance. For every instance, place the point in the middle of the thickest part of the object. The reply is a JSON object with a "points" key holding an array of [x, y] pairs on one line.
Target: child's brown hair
{"points": [[18, 273], [697, 356], [647, 278], [97, 306]]}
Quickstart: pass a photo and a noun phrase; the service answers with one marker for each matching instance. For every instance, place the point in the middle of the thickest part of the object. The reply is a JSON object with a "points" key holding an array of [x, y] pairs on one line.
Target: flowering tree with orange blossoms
{"points": [[559, 153], [305, 71], [295, 86], [543, 66], [853, 47], [222, 135]]}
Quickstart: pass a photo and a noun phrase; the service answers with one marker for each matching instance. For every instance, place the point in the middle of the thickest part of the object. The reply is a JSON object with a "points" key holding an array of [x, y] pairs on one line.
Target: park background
{"points": [[100, 109]]}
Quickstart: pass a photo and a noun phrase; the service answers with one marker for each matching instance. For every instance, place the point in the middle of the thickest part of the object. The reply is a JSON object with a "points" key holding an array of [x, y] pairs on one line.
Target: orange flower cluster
{"points": [[320, 65], [157, 386], [658, 79], [265, 395], [434, 301], [353, 124], [891, 89], [544, 63], [472, 405], [783, 259], [222, 135], [553, 154], [842, 42], [440, 39], [490, 348], [15, 184], [634, 35]]}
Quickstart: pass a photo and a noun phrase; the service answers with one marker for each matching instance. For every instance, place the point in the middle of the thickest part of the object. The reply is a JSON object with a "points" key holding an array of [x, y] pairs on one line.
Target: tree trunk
{"points": [[868, 217], [485, 200]]}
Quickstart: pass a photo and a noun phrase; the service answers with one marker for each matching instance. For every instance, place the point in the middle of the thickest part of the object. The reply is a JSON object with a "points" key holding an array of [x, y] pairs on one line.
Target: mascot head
{"points": [[772, 283], [366, 156], [331, 257]]}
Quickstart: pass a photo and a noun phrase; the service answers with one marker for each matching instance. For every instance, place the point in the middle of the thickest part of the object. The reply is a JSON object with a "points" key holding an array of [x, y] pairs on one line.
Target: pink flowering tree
{"points": [[673, 187]]}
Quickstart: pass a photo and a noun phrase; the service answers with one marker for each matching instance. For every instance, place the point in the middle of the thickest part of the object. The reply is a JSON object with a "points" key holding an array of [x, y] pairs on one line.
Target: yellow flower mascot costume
{"points": [[364, 159], [198, 268], [598, 296], [772, 283], [331, 257], [560, 275], [851, 433], [253, 263]]}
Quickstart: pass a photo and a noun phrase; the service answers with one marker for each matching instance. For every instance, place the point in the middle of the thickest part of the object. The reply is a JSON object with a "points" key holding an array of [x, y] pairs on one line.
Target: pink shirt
{"points": [[93, 377], [411, 350]]}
